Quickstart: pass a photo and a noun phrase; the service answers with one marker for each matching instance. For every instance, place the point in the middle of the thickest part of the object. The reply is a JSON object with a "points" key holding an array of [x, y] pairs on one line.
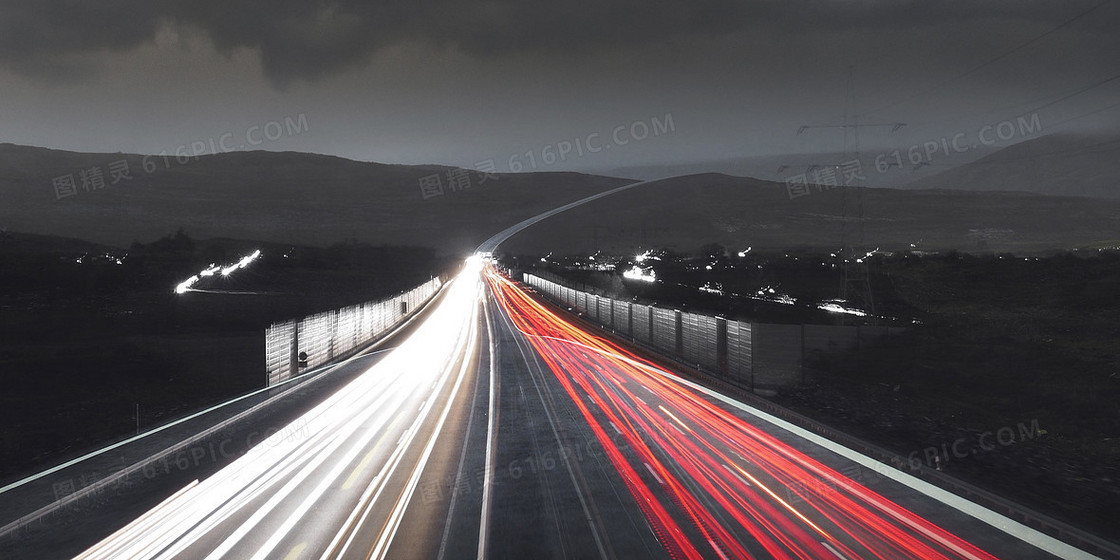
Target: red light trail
{"points": [[710, 484]]}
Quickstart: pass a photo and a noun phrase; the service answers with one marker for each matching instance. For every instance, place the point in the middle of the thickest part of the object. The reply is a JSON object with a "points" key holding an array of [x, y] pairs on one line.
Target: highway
{"points": [[499, 429]]}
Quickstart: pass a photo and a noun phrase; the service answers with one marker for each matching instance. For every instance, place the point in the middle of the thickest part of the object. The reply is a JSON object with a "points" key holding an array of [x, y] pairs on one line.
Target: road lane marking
{"points": [[396, 516], [675, 419], [369, 456], [460, 476], [295, 552], [358, 470], [651, 471], [492, 426], [716, 548], [591, 521], [344, 538], [736, 475], [834, 551]]}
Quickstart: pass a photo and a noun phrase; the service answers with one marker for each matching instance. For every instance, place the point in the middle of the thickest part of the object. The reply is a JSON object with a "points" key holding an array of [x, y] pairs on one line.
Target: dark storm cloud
{"points": [[304, 40], [41, 38]]}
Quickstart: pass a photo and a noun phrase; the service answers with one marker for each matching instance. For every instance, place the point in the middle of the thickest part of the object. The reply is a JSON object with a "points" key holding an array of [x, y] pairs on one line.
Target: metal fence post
{"points": [[293, 361]]}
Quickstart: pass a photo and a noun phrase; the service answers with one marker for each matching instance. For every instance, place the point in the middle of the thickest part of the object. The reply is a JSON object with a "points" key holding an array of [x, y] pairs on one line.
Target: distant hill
{"points": [[14, 243], [282, 197], [684, 213], [1060, 164], [781, 167]]}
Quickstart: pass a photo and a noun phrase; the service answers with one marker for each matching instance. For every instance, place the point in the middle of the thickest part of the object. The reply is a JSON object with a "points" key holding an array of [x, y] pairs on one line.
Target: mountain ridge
{"points": [[1061, 164]]}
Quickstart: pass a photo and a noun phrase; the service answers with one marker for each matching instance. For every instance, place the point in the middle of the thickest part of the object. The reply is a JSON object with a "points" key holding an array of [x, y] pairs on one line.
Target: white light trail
{"points": [[274, 491], [833, 307], [189, 283]]}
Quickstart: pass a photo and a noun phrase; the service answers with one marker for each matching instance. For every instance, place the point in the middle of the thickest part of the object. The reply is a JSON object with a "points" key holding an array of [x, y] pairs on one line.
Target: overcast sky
{"points": [[458, 82]]}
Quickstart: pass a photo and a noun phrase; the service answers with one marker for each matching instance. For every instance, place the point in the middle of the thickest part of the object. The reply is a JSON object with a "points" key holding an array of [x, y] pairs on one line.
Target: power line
{"points": [[1076, 93], [1101, 110], [991, 61], [1031, 157], [1047, 102], [1103, 147]]}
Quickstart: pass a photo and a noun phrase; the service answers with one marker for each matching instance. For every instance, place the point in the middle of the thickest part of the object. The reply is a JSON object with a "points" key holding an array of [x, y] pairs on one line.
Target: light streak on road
{"points": [[339, 489], [837, 307], [709, 483], [188, 284], [244, 262]]}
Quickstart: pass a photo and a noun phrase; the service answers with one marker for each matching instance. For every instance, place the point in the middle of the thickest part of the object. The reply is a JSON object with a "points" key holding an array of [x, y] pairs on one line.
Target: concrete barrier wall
{"points": [[699, 340], [642, 317], [665, 329], [756, 355], [332, 335], [740, 348], [621, 317], [279, 349]]}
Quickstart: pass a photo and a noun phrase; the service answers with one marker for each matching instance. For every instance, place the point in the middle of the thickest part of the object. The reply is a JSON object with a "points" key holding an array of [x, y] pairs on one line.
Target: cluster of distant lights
{"points": [[214, 270], [645, 274], [106, 256], [712, 288], [639, 273], [866, 255], [774, 296]]}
